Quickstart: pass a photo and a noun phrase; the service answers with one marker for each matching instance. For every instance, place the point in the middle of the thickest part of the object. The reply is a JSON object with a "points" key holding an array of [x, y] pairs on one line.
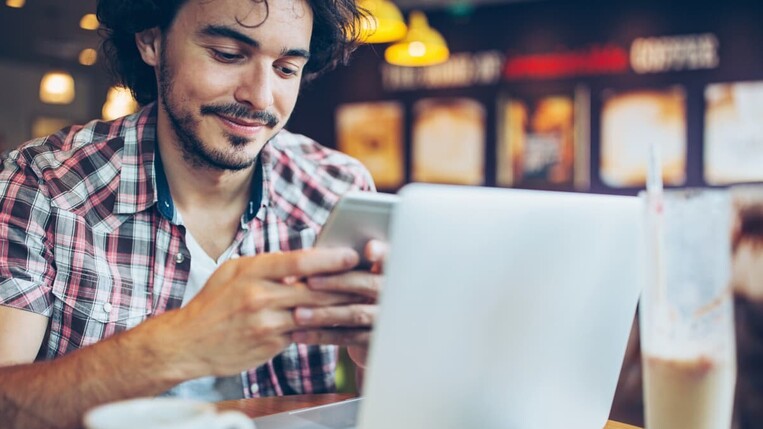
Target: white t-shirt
{"points": [[206, 388]]}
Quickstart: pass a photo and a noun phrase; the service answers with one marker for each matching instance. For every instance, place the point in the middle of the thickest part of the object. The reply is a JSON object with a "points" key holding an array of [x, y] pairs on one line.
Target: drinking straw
{"points": [[656, 207]]}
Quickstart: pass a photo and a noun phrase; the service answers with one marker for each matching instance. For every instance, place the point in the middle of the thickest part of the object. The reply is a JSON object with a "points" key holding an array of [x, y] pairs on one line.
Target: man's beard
{"points": [[195, 152]]}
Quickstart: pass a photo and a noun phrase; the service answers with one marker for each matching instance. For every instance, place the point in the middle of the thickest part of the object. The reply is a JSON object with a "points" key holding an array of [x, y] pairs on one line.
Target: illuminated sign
{"points": [[461, 70], [674, 53], [647, 55], [593, 60]]}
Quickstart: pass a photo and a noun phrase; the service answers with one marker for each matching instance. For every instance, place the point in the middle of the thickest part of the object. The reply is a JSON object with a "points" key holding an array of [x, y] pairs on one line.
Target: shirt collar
{"points": [[166, 206], [136, 178]]}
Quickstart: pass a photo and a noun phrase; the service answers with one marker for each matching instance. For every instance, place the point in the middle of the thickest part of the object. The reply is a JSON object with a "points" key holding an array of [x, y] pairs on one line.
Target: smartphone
{"points": [[358, 217]]}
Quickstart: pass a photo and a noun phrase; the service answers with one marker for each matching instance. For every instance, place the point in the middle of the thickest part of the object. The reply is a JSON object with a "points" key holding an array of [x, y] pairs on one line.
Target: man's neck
{"points": [[211, 202], [193, 186]]}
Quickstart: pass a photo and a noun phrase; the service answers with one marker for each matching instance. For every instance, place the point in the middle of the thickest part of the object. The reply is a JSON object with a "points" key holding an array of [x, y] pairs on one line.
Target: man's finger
{"points": [[296, 264], [356, 282], [376, 250], [272, 295], [337, 336], [346, 316]]}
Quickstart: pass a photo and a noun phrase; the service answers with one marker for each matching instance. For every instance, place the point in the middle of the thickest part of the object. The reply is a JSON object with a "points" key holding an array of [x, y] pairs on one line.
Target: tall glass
{"points": [[686, 311]]}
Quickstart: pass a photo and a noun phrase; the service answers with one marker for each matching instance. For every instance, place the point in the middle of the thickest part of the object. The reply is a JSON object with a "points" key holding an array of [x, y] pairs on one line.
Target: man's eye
{"points": [[287, 70], [226, 57]]}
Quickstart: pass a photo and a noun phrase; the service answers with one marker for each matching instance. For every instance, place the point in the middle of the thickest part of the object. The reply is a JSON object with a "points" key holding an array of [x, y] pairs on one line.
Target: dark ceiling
{"points": [[46, 31]]}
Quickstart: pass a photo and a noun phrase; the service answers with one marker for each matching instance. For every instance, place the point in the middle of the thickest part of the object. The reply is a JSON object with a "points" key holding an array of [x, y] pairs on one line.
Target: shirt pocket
{"points": [[89, 307]]}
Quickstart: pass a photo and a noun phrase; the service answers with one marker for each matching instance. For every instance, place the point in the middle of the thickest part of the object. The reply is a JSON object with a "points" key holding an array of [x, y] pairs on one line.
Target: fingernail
{"points": [[376, 249], [303, 314], [350, 257]]}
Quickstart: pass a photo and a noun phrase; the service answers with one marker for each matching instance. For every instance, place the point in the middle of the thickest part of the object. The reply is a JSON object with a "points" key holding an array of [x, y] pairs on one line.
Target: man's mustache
{"points": [[240, 112]]}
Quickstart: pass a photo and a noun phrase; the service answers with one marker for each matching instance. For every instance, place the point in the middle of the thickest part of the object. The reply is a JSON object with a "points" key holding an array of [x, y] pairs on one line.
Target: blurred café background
{"points": [[542, 94], [545, 94]]}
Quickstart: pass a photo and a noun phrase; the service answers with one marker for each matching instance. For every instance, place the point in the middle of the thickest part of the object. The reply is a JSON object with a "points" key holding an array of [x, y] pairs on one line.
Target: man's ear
{"points": [[149, 44]]}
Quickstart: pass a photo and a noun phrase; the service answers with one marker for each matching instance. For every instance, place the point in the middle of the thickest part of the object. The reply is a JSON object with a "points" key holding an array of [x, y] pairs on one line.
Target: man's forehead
{"points": [[248, 13]]}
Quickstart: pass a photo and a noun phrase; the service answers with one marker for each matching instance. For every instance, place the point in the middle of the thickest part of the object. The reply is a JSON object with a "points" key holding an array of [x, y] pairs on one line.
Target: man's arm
{"points": [[240, 319], [21, 334], [56, 393]]}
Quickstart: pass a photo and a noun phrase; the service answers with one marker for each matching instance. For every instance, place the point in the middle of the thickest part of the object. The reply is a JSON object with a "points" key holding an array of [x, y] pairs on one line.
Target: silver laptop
{"points": [[501, 309]]}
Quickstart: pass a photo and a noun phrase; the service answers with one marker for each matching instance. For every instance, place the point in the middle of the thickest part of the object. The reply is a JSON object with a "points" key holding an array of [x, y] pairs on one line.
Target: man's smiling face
{"points": [[229, 76]]}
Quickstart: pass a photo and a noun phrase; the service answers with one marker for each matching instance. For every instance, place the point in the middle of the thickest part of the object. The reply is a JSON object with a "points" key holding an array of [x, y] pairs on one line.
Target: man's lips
{"points": [[240, 126], [243, 122]]}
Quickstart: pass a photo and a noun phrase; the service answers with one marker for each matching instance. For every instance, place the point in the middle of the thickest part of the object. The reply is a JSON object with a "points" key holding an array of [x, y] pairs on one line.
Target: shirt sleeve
{"points": [[26, 259], [363, 179]]}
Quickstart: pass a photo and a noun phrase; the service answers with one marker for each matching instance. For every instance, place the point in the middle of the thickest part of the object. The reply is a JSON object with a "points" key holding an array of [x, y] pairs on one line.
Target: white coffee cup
{"points": [[164, 413]]}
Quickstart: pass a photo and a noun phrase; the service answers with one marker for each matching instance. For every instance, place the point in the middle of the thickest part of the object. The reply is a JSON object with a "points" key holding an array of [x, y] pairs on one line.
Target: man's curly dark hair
{"points": [[334, 37]]}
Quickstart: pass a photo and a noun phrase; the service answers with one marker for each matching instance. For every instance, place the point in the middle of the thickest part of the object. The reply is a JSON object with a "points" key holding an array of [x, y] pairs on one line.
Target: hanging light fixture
{"points": [[422, 45], [384, 24], [57, 87], [16, 4]]}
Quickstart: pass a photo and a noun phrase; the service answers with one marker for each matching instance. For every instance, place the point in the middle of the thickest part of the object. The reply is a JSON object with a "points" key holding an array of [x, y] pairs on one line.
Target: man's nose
{"points": [[256, 87]]}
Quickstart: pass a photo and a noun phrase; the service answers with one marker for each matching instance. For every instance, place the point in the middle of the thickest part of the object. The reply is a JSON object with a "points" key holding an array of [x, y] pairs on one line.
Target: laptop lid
{"points": [[503, 309]]}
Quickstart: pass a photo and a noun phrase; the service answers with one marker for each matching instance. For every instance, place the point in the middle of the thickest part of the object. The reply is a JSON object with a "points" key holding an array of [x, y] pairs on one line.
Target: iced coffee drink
{"points": [[686, 313], [688, 393]]}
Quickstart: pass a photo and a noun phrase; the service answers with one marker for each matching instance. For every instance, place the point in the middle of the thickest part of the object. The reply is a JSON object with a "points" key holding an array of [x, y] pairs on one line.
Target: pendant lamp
{"points": [[422, 45], [383, 24]]}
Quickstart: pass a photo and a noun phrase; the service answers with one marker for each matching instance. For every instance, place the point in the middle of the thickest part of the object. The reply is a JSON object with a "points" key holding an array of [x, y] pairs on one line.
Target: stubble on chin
{"points": [[195, 152]]}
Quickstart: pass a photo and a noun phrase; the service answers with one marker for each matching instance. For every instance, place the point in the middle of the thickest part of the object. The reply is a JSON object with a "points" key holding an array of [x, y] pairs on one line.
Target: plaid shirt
{"points": [[87, 236]]}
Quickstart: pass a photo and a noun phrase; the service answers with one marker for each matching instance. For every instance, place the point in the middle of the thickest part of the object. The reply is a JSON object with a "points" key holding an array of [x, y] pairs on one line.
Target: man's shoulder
{"points": [[75, 161], [307, 179], [77, 141], [300, 155]]}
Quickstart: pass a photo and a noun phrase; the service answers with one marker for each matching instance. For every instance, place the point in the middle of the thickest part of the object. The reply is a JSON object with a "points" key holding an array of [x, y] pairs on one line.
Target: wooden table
{"points": [[258, 407]]}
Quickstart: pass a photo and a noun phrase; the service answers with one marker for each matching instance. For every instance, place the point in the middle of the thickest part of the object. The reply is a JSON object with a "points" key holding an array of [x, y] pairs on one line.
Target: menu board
{"points": [[630, 121], [536, 142], [449, 141], [373, 134], [733, 146]]}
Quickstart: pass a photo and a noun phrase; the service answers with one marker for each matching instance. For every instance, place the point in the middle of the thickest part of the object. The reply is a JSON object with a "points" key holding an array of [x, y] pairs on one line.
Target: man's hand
{"points": [[244, 314], [345, 324]]}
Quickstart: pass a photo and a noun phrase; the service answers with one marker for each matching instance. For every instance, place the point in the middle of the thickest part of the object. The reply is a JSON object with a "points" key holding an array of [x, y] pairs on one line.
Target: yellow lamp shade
{"points": [[383, 23], [57, 87], [422, 46]]}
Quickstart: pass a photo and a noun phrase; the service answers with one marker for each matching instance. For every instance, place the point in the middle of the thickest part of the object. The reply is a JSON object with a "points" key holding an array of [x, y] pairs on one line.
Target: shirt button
{"points": [[107, 307], [179, 258], [254, 388]]}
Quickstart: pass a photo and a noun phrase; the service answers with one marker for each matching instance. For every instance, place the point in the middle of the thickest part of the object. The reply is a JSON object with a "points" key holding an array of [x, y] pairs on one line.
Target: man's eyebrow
{"points": [[230, 33], [297, 53]]}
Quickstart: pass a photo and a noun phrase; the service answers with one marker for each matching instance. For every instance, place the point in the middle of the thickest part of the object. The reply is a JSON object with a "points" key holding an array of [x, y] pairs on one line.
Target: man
{"points": [[168, 252]]}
